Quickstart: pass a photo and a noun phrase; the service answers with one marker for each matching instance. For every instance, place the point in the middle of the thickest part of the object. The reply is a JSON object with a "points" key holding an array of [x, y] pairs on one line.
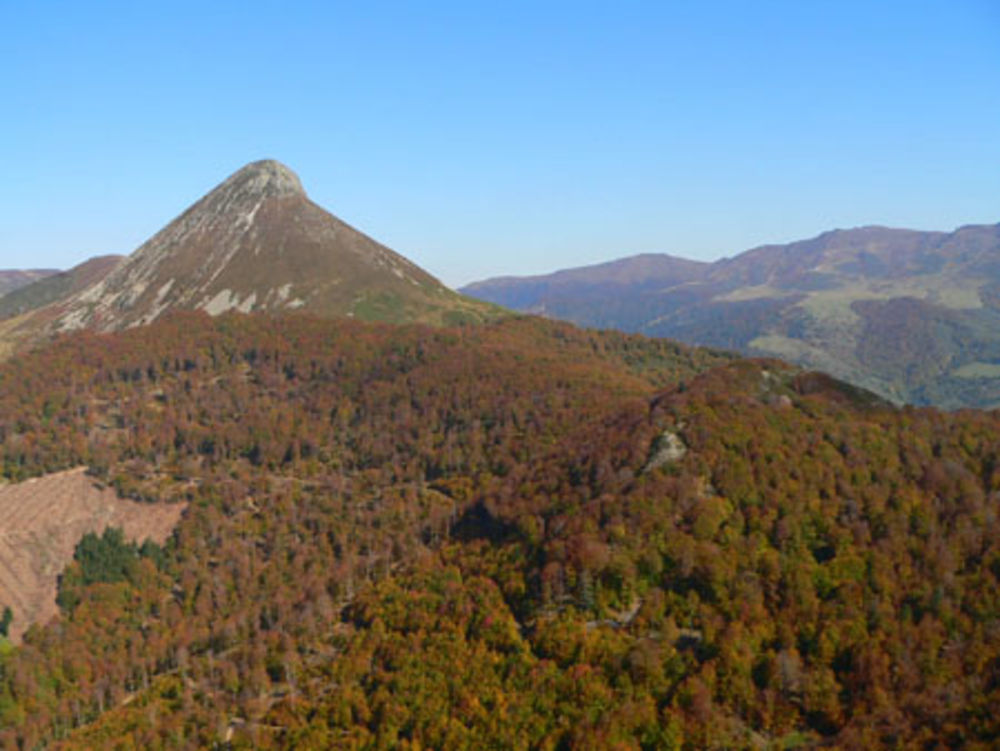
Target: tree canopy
{"points": [[416, 538]]}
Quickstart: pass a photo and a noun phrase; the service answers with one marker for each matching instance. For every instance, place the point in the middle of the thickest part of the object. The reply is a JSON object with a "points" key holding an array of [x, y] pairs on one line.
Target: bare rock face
{"points": [[257, 243], [667, 449], [264, 178]]}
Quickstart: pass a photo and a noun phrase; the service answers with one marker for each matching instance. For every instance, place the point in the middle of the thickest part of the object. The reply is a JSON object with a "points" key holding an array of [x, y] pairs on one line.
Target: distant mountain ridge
{"points": [[913, 316], [646, 272], [57, 286], [255, 243], [12, 279]]}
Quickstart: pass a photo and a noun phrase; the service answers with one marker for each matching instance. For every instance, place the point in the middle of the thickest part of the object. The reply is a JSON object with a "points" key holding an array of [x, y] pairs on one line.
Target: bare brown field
{"points": [[42, 520]]}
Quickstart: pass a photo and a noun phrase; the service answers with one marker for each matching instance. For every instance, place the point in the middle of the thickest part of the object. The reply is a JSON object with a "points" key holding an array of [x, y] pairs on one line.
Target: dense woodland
{"points": [[486, 537]]}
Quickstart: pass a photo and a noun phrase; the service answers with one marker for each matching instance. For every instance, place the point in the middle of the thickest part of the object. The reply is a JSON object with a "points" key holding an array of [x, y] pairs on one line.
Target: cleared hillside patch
{"points": [[42, 520]]}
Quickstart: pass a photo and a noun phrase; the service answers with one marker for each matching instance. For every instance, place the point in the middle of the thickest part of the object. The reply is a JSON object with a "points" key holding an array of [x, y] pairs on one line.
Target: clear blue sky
{"points": [[482, 139]]}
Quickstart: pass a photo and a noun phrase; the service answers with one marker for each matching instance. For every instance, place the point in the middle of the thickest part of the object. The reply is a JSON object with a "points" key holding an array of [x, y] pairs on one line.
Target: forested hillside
{"points": [[519, 535]]}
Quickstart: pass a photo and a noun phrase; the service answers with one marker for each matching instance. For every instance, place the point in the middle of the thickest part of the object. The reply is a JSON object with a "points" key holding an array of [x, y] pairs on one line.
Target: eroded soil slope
{"points": [[41, 521]]}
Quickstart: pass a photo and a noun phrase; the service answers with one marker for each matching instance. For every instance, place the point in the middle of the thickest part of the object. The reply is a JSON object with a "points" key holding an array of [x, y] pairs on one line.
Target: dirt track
{"points": [[41, 521]]}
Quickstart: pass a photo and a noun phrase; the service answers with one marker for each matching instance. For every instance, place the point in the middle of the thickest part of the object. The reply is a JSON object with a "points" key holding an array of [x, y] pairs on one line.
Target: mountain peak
{"points": [[264, 178], [255, 242]]}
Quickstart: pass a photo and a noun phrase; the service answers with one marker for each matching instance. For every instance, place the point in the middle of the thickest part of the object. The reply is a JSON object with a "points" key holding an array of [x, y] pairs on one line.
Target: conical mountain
{"points": [[257, 243]]}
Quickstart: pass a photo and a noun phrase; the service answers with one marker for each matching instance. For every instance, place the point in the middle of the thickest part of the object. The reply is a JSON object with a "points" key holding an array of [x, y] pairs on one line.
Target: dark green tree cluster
{"points": [[5, 620], [107, 558]]}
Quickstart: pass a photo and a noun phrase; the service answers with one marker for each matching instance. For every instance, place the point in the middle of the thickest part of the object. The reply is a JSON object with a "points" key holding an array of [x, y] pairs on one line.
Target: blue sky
{"points": [[483, 139]]}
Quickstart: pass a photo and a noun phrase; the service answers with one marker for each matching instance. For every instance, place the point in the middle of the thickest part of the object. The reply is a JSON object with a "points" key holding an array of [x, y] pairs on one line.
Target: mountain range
{"points": [[913, 316], [255, 243], [12, 279], [516, 534]]}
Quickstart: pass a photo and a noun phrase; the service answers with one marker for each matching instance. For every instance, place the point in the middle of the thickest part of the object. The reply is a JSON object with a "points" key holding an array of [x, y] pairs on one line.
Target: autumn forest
{"points": [[513, 535]]}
